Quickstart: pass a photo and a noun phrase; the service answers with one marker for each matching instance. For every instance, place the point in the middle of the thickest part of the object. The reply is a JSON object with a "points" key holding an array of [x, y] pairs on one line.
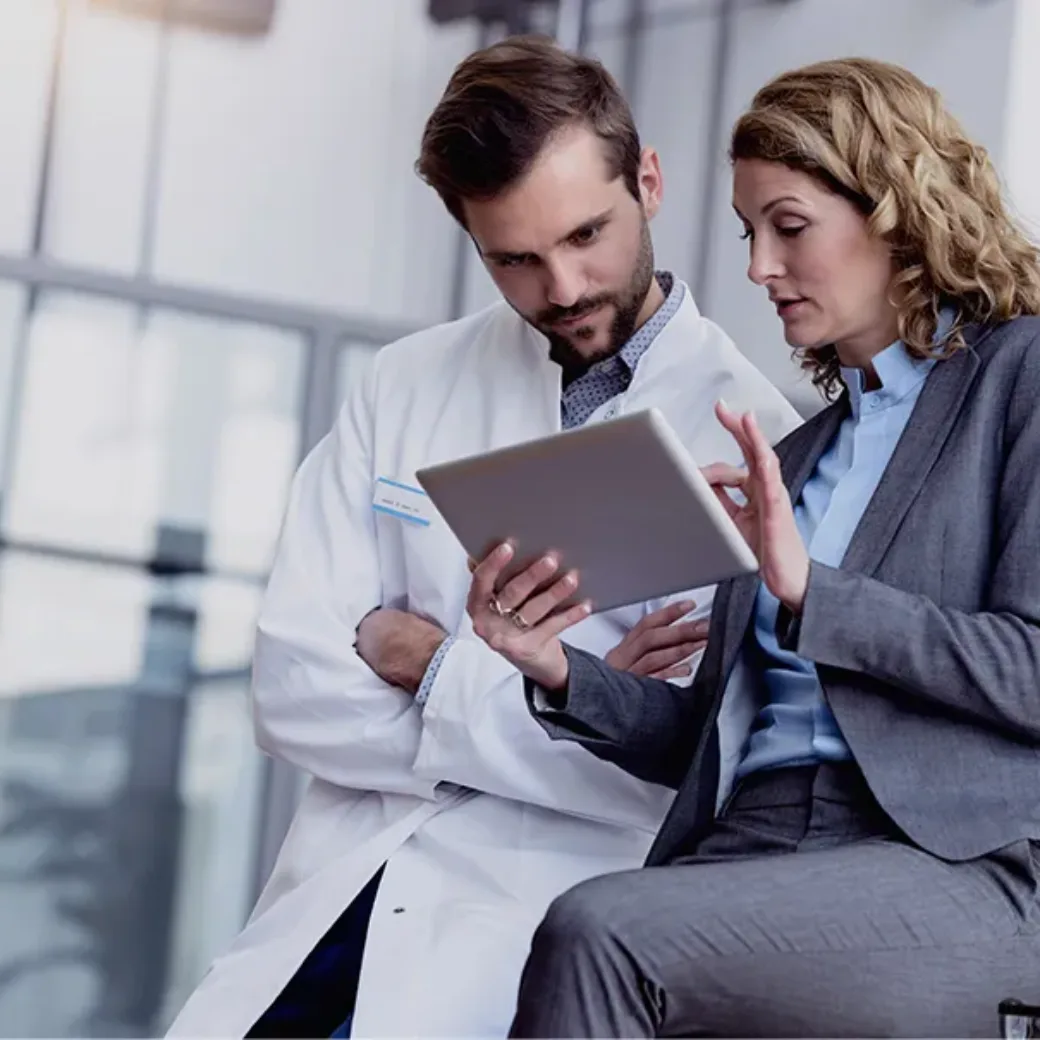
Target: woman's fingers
{"points": [[539, 607], [485, 576], [765, 457], [518, 590], [722, 474], [733, 425], [517, 644], [767, 466], [556, 624]]}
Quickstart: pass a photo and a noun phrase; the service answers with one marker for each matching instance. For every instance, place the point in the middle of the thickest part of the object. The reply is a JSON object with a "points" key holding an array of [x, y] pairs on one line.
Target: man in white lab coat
{"points": [[440, 820]]}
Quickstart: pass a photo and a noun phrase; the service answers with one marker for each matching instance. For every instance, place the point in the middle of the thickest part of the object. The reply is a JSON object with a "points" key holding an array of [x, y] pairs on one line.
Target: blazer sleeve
{"points": [[984, 665], [646, 726]]}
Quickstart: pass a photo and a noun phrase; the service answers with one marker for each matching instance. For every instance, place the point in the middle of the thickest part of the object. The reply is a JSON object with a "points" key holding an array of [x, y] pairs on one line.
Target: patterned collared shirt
{"points": [[610, 377]]}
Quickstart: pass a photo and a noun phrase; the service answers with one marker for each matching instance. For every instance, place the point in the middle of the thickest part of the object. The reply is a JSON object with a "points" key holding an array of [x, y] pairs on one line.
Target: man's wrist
{"points": [[418, 658]]}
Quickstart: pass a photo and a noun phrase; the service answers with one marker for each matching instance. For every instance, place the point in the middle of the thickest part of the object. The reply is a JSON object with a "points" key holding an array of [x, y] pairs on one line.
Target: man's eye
{"points": [[585, 236]]}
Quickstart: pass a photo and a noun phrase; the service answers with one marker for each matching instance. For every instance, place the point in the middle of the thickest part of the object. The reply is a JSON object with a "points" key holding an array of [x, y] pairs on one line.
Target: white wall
{"points": [[1021, 142]]}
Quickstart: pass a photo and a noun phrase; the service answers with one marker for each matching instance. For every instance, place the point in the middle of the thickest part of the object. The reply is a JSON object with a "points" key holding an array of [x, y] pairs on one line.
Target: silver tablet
{"points": [[621, 501]]}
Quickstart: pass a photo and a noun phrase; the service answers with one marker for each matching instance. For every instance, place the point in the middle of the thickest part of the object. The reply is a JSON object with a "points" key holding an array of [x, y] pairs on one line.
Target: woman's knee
{"points": [[592, 912]]}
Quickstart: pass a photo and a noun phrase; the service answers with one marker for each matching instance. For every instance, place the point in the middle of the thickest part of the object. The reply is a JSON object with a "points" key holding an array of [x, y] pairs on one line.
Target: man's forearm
{"points": [[399, 646]]}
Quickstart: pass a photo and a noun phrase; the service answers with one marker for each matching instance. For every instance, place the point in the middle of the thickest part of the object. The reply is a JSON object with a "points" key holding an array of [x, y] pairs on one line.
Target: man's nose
{"points": [[565, 284]]}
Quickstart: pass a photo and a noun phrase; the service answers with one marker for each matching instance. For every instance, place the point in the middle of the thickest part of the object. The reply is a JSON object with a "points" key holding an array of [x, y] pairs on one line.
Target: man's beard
{"points": [[626, 304]]}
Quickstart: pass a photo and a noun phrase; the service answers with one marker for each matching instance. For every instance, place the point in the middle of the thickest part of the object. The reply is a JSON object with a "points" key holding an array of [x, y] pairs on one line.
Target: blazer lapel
{"points": [[933, 417], [798, 454]]}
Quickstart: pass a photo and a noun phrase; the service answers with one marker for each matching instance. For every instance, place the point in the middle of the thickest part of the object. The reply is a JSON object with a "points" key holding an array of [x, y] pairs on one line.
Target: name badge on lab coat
{"points": [[403, 501]]}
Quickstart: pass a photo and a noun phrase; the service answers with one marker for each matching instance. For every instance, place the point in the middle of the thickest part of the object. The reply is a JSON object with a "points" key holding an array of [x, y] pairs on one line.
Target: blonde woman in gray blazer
{"points": [[854, 845]]}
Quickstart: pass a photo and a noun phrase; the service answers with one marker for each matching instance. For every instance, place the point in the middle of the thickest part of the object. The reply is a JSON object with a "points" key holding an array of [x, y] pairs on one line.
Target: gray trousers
{"points": [[803, 914]]}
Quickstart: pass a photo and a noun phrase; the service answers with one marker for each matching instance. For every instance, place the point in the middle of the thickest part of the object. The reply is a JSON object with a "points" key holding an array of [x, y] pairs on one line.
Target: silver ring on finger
{"points": [[519, 621], [495, 606]]}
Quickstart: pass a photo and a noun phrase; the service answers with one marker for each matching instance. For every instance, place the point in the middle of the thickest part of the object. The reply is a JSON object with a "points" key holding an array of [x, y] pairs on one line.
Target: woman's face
{"points": [[810, 249]]}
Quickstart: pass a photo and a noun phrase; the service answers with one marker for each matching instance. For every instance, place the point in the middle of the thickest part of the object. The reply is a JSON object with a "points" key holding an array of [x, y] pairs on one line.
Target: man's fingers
{"points": [[659, 660], [666, 616], [673, 635], [680, 671], [655, 631]]}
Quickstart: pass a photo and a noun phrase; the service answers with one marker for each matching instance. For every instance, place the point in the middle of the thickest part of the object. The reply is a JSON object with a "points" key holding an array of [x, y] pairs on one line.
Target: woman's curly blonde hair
{"points": [[874, 133]]}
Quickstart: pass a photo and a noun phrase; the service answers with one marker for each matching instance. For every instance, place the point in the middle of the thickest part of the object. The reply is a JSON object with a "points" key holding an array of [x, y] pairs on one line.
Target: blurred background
{"points": [[208, 223]]}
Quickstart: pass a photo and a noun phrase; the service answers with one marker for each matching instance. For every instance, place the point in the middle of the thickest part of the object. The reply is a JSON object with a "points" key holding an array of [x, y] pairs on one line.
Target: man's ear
{"points": [[651, 182]]}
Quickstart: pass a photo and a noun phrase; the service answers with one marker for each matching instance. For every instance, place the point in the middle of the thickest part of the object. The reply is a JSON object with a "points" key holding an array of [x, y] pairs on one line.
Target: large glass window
{"points": [[150, 459], [134, 426], [27, 36]]}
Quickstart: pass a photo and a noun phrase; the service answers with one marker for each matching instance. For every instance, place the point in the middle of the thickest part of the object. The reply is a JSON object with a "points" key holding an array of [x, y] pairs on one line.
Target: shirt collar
{"points": [[897, 370], [644, 336]]}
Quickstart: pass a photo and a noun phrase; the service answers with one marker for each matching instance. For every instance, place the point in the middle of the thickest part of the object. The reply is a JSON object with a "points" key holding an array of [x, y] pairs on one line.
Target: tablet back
{"points": [[621, 501]]}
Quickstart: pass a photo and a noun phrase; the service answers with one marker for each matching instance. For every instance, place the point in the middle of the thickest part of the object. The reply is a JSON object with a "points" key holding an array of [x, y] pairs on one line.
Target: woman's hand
{"points": [[767, 519], [523, 624]]}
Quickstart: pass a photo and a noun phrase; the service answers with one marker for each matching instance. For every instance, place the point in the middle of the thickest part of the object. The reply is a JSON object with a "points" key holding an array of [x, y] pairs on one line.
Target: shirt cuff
{"points": [[541, 700], [430, 676]]}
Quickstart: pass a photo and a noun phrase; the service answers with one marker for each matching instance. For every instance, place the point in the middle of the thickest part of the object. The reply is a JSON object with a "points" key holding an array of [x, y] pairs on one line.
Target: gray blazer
{"points": [[926, 639]]}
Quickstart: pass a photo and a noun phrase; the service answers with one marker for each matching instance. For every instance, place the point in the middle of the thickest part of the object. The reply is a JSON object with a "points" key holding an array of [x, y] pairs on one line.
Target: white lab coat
{"points": [[480, 818]]}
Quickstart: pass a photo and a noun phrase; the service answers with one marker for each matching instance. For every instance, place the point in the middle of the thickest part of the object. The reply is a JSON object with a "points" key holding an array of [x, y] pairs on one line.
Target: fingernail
{"points": [[549, 560], [586, 607], [570, 579], [687, 605], [505, 550], [722, 401]]}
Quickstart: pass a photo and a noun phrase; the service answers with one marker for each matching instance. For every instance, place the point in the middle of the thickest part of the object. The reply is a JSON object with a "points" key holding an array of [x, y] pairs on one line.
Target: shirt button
{"points": [[398, 909]]}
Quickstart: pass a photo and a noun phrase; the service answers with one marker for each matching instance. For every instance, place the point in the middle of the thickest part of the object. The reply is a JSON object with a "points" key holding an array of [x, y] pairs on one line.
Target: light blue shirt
{"points": [[604, 381], [795, 726]]}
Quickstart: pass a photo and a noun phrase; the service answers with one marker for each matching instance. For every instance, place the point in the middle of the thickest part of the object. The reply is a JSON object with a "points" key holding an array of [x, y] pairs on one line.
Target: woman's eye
{"points": [[791, 230], [746, 234]]}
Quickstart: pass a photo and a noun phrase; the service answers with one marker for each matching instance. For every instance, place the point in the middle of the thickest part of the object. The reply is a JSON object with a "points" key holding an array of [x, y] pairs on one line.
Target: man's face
{"points": [[569, 247]]}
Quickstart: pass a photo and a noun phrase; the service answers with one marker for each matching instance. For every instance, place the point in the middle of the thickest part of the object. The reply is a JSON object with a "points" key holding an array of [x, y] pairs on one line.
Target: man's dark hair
{"points": [[505, 103]]}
